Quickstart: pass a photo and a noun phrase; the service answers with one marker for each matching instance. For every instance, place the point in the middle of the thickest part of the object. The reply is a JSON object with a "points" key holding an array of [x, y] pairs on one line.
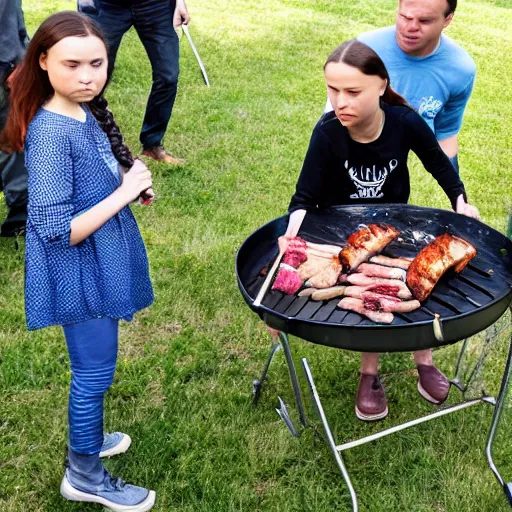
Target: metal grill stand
{"points": [[461, 381]]}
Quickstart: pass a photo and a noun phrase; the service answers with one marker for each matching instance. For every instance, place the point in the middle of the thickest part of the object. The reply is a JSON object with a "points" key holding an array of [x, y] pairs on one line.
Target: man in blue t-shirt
{"points": [[436, 78], [432, 72]]}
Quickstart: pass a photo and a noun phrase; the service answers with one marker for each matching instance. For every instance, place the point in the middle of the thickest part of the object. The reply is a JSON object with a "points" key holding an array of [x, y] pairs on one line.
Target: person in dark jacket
{"points": [[13, 41]]}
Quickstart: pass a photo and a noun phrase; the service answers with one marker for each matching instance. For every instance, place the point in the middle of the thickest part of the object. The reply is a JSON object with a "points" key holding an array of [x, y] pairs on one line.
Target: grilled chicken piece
{"points": [[391, 262], [312, 266], [364, 244], [357, 305], [377, 284], [328, 276], [372, 270], [434, 260]]}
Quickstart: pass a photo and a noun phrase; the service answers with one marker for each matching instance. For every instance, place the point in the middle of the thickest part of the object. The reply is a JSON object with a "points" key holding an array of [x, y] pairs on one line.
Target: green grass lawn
{"points": [[184, 378]]}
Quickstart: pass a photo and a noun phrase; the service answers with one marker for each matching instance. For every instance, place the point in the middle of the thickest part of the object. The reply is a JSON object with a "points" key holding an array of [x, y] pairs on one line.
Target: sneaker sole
{"points": [[72, 494], [121, 447], [372, 417], [427, 397]]}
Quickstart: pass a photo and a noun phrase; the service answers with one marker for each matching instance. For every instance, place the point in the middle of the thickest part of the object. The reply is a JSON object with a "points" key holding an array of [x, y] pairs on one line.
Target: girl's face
{"points": [[77, 67], [353, 95]]}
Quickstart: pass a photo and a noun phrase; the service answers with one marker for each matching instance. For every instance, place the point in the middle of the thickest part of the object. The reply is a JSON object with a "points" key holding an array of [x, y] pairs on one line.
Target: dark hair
{"points": [[360, 56], [31, 88], [452, 5]]}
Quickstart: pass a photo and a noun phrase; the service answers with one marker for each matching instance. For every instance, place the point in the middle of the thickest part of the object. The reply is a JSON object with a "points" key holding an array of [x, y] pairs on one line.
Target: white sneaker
{"points": [[114, 444]]}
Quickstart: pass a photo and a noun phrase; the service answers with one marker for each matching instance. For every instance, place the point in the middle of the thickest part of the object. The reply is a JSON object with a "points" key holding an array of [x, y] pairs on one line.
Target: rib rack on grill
{"points": [[434, 260]]}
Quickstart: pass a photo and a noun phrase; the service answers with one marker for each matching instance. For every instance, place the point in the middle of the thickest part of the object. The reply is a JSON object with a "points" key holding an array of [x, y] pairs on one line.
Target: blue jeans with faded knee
{"points": [[92, 347]]}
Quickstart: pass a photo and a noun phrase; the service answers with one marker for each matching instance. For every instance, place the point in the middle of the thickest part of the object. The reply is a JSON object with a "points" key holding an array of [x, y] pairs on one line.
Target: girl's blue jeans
{"points": [[92, 347]]}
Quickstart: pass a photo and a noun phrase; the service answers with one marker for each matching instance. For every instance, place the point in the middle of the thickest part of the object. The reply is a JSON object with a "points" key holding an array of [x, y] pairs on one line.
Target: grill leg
{"points": [[457, 381], [258, 383], [328, 433], [507, 487], [464, 378], [293, 377]]}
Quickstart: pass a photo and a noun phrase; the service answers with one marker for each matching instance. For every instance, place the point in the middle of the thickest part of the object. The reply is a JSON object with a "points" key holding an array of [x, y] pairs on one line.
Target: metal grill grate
{"points": [[470, 301]]}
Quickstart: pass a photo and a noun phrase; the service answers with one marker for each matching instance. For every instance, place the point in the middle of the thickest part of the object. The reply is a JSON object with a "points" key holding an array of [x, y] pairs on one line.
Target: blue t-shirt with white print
{"points": [[437, 86]]}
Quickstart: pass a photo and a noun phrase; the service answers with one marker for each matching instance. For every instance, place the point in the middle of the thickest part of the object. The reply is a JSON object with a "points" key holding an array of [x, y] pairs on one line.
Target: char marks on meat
{"points": [[434, 260], [357, 305], [364, 244]]}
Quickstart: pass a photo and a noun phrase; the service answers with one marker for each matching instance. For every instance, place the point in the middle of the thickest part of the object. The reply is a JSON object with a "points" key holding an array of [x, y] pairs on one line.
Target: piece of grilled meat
{"points": [[364, 244], [434, 260]]}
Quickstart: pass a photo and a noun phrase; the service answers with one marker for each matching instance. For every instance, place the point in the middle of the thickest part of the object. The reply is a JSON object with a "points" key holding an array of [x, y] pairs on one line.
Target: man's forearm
{"points": [[450, 146]]}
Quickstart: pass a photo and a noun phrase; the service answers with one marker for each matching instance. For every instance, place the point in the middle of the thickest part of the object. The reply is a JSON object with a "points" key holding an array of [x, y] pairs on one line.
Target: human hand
{"points": [[466, 209], [135, 181], [181, 15], [147, 197]]}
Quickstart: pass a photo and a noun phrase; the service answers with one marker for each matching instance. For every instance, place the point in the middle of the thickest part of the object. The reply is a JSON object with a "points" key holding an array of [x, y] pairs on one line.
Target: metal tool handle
{"points": [[196, 54], [263, 290]]}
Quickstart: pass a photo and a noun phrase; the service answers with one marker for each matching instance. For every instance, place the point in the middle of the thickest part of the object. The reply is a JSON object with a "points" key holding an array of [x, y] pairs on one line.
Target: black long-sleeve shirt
{"points": [[338, 170]]}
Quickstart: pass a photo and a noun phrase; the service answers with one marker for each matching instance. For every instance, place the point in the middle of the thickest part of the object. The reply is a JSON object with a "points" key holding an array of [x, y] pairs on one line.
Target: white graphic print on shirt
{"points": [[429, 107], [369, 180]]}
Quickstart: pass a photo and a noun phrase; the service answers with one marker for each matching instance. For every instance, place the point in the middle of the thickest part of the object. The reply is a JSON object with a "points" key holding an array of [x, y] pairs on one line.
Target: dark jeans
{"points": [[152, 20]]}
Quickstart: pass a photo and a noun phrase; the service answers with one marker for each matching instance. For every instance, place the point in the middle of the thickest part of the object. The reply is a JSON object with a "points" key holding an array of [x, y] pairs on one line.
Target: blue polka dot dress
{"points": [[71, 168]]}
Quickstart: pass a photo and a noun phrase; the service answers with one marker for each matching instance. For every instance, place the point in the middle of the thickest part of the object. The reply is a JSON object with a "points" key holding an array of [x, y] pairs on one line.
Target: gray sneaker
{"points": [[114, 494], [114, 444]]}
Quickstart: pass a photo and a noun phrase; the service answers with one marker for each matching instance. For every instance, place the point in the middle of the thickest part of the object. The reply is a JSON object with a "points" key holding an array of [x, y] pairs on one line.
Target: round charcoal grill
{"points": [[466, 303]]}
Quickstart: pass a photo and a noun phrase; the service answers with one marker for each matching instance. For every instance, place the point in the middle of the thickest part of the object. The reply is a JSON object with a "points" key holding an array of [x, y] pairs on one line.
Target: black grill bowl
{"points": [[467, 303]]}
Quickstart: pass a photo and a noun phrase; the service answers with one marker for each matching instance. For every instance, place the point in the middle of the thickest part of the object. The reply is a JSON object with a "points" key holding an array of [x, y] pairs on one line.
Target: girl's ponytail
{"points": [[393, 98], [99, 109]]}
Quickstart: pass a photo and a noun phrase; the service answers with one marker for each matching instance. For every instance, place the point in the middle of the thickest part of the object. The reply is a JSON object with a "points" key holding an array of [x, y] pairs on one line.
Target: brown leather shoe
{"points": [[371, 404], [159, 154], [432, 384]]}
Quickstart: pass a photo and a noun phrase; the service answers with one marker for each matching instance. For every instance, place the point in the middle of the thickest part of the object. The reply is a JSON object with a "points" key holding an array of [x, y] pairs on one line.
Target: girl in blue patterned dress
{"points": [[86, 265]]}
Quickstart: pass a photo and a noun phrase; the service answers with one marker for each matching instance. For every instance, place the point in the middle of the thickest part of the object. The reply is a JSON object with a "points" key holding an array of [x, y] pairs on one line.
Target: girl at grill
{"points": [[86, 264], [358, 155]]}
